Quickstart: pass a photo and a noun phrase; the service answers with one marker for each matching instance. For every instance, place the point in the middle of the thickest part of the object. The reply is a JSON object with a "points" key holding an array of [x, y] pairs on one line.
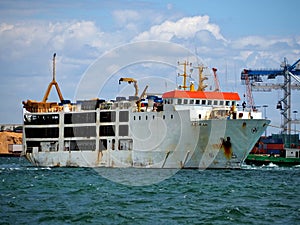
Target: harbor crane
{"points": [[288, 72]]}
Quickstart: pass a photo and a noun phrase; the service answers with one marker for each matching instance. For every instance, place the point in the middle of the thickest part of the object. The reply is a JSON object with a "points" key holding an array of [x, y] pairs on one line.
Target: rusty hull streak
{"points": [[226, 145], [99, 157]]}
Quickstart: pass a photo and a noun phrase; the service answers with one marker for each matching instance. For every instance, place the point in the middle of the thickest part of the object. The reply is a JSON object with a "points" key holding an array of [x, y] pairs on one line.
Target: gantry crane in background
{"points": [[288, 72], [249, 95]]}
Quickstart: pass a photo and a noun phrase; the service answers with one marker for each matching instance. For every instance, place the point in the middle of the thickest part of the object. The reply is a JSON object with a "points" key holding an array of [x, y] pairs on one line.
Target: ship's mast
{"points": [[184, 64], [201, 86]]}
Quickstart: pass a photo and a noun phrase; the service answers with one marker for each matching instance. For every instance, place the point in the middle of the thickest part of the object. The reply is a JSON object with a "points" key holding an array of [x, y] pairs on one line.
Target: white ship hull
{"points": [[168, 139]]}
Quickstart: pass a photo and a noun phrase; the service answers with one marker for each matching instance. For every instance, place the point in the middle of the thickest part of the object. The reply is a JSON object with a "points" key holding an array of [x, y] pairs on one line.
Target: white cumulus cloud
{"points": [[184, 28]]}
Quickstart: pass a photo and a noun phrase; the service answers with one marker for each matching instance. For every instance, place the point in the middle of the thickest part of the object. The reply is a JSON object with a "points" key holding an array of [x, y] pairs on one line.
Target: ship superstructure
{"points": [[183, 128]]}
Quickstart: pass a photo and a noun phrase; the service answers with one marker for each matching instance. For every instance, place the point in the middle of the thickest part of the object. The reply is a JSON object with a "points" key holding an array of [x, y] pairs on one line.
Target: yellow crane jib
{"points": [[130, 80], [53, 83]]}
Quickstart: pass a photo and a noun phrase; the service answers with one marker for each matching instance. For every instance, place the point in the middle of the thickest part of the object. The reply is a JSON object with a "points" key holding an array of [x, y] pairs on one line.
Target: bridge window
{"points": [[185, 101], [80, 118], [197, 102], [123, 130], [52, 132], [215, 102], [41, 119], [123, 116], [221, 102], [108, 130], [209, 102], [86, 131], [107, 116], [227, 103], [179, 102], [81, 145], [203, 102]]}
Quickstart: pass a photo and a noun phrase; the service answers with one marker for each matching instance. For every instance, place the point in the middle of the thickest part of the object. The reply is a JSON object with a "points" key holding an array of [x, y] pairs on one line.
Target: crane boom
{"points": [[217, 84], [138, 102], [131, 80], [53, 83]]}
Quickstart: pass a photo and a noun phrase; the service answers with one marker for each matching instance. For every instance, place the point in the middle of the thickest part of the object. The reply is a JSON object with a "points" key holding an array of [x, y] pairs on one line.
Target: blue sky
{"points": [[230, 35]]}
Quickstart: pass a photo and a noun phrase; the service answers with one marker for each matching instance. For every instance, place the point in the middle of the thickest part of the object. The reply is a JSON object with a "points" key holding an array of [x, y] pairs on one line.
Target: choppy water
{"points": [[254, 195]]}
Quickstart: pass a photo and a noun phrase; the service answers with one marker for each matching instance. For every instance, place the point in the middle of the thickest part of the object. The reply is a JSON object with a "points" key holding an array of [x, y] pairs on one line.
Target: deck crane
{"points": [[44, 106], [217, 84], [138, 102], [53, 83], [287, 71], [130, 80], [139, 98]]}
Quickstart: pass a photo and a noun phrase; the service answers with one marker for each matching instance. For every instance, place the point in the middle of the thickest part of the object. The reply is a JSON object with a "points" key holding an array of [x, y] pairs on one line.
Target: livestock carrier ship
{"points": [[182, 128]]}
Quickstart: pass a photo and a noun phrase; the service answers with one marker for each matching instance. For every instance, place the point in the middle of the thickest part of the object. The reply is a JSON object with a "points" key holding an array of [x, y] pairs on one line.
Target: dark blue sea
{"points": [[252, 195]]}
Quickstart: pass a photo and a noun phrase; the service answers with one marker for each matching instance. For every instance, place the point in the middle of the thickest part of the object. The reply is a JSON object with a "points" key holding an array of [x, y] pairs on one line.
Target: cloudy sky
{"points": [[230, 35]]}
